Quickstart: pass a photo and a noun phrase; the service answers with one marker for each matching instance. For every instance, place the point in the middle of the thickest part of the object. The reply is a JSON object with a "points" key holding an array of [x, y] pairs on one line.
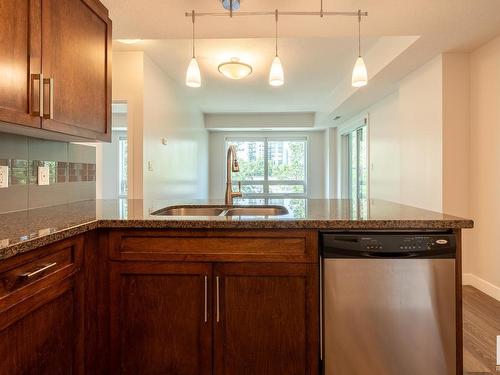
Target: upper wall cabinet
{"points": [[56, 58], [76, 66], [20, 62]]}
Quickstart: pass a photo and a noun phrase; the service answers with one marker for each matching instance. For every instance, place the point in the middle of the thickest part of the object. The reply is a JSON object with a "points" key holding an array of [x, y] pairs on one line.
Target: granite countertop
{"points": [[26, 230]]}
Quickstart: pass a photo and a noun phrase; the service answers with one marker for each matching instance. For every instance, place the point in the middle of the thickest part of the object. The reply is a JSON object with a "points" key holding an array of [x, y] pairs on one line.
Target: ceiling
{"points": [[317, 54], [313, 67]]}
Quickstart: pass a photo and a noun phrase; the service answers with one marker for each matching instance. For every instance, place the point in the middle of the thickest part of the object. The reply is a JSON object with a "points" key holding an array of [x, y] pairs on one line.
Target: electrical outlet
{"points": [[43, 175], [4, 176]]}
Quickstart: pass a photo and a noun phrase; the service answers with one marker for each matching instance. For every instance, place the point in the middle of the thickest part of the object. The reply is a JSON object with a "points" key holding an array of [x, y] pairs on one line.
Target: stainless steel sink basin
{"points": [[221, 211], [257, 211], [189, 211]]}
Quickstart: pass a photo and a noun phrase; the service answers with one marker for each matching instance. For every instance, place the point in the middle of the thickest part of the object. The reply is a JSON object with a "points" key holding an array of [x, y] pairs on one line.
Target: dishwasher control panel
{"points": [[388, 243], [418, 243]]}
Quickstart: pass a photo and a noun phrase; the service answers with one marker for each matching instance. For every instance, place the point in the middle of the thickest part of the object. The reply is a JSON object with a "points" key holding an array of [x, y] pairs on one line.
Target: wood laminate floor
{"points": [[481, 318]]}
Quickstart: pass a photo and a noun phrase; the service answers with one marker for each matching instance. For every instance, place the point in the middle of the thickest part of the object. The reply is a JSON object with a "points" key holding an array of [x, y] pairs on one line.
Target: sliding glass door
{"points": [[355, 145]]}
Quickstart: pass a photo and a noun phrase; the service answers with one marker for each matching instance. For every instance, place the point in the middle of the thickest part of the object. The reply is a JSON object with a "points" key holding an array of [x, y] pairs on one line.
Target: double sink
{"points": [[221, 211]]}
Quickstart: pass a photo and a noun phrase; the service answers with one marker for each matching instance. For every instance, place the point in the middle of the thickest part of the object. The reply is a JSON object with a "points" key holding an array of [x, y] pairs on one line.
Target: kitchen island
{"points": [[117, 289]]}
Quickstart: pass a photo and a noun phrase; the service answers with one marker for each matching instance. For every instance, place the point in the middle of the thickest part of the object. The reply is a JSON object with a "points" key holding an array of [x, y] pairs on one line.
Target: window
{"points": [[355, 163], [271, 167], [122, 167]]}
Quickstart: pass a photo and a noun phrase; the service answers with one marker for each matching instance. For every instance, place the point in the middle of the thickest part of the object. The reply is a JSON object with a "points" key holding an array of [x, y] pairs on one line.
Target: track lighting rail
{"points": [[272, 13], [276, 74]]}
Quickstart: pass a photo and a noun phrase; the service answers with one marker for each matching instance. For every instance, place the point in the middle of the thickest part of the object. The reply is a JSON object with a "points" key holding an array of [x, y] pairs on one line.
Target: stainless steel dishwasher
{"points": [[388, 303]]}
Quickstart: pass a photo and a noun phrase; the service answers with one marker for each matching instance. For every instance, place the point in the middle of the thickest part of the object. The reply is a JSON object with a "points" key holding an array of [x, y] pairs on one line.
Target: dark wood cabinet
{"points": [[75, 307], [76, 65], [258, 312], [41, 317], [161, 318], [57, 80], [20, 57], [264, 318], [268, 319]]}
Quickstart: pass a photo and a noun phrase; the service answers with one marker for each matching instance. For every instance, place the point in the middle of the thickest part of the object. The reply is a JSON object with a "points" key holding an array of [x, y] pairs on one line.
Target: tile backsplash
{"points": [[72, 172]]}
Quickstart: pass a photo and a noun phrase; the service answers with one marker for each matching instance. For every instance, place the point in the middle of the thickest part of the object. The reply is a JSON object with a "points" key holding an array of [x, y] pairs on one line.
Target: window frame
{"points": [[345, 162], [121, 138], [266, 183]]}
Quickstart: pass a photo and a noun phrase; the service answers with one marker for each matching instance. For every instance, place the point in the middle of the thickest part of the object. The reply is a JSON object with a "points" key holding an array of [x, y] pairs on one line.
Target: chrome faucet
{"points": [[231, 166]]}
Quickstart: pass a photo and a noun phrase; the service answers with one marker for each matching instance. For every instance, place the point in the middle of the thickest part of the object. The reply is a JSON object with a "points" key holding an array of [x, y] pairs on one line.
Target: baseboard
{"points": [[481, 284]]}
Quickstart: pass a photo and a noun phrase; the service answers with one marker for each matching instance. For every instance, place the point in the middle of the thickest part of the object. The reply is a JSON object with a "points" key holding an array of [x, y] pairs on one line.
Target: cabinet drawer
{"points": [[215, 246], [25, 275]]}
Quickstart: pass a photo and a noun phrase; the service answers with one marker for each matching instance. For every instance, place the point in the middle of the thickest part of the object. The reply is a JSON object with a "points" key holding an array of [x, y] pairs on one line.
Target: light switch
{"points": [[4, 176], [150, 166], [43, 175]]}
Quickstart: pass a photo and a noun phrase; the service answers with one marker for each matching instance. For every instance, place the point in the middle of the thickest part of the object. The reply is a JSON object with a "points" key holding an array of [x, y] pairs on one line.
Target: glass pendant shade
{"points": [[193, 75], [276, 75], [359, 73]]}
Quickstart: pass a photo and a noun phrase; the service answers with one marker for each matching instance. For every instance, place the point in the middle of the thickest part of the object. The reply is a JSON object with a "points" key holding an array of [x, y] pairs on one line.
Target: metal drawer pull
{"points": [[29, 275], [206, 297], [217, 297], [50, 82], [39, 78]]}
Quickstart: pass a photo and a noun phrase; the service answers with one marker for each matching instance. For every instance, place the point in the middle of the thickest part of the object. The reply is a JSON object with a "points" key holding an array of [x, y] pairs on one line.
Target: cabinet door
{"points": [[76, 56], [160, 318], [43, 334], [267, 320], [19, 58]]}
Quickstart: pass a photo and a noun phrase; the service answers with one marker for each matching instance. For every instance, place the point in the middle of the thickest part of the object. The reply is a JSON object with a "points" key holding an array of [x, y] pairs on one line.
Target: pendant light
{"points": [[193, 75], [359, 73], [276, 75]]}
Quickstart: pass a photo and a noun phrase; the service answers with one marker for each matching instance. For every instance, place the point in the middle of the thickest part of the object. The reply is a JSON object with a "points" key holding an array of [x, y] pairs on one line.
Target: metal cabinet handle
{"points": [[217, 298], [29, 275], [50, 83], [206, 298], [39, 78]]}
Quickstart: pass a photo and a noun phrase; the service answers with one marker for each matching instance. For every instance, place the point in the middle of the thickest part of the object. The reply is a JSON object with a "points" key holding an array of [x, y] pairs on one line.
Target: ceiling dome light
{"points": [[193, 75], [235, 69], [276, 75]]}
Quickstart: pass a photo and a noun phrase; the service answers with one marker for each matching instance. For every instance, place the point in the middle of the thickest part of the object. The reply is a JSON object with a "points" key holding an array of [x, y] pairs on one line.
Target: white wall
{"points": [[180, 169], [483, 255], [109, 165], [258, 120], [316, 177], [128, 82], [405, 130], [384, 133], [421, 141], [331, 162], [156, 111], [456, 134]]}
